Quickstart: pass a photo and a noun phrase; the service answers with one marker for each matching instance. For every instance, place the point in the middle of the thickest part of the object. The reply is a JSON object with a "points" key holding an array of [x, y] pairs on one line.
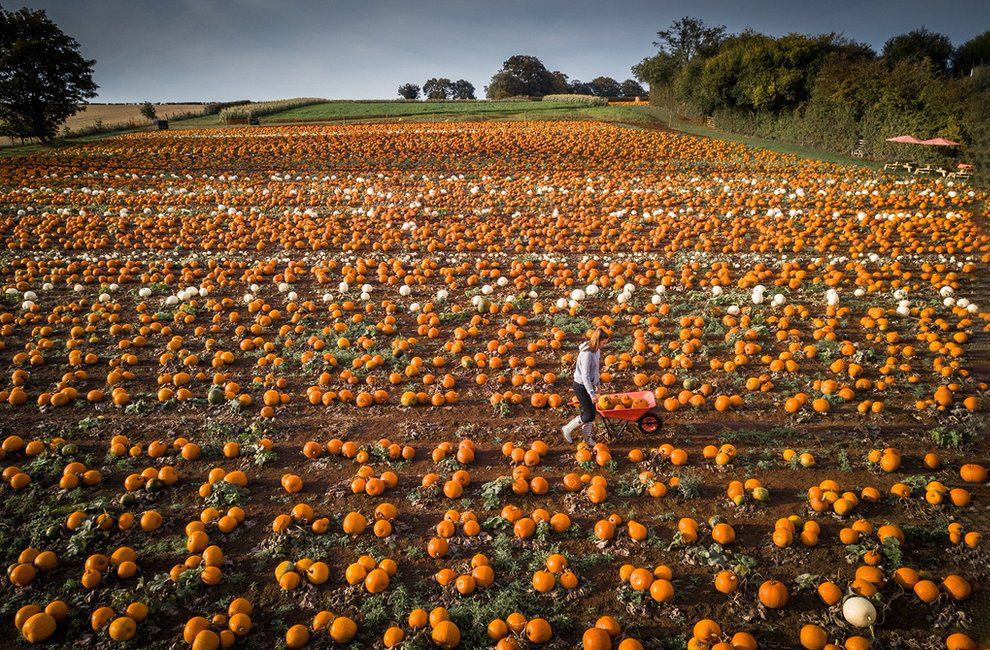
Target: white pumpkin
{"points": [[859, 612]]}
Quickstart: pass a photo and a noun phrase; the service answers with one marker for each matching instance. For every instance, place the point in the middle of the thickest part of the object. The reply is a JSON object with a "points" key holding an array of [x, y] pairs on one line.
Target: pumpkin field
{"points": [[302, 386]]}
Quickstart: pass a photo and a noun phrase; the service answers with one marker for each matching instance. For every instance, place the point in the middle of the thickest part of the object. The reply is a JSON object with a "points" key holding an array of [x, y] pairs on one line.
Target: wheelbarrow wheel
{"points": [[650, 422]]}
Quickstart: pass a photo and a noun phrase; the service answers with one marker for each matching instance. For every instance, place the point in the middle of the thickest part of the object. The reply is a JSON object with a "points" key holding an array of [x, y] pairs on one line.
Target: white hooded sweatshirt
{"points": [[587, 369]]}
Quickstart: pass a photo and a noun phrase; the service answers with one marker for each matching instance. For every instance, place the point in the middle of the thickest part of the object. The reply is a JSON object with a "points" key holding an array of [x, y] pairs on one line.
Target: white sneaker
{"points": [[568, 437]]}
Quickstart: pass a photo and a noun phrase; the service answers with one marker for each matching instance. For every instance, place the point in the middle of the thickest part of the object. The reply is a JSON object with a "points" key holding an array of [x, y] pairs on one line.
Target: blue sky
{"points": [[199, 50]]}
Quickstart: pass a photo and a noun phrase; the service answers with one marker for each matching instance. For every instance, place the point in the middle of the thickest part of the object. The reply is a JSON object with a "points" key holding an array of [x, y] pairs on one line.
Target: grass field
{"points": [[424, 110], [636, 115]]}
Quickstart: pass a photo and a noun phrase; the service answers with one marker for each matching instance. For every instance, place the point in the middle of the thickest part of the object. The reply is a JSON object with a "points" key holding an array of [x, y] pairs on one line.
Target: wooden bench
{"points": [[897, 164]]}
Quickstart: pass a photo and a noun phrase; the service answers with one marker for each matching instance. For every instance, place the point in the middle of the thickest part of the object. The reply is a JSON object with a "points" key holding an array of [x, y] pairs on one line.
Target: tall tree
{"points": [[631, 88], [148, 111], [409, 91], [920, 44], [462, 89], [657, 70], [578, 87], [971, 54], [43, 77], [690, 37], [521, 75], [561, 86], [686, 40], [605, 87], [437, 89]]}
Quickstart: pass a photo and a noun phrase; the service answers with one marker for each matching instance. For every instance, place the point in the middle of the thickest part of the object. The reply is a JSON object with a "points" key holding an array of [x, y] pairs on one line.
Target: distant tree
{"points": [[521, 75], [462, 89], [605, 87], [578, 87], [754, 72], [688, 38], [971, 54], [437, 89], [631, 88], [561, 86], [43, 77], [657, 70], [148, 111], [504, 84], [919, 44], [409, 91], [685, 40]]}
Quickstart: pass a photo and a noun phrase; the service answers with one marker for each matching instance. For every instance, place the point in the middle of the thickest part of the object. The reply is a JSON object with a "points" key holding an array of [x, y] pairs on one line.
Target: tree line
{"points": [[824, 90], [523, 75], [439, 89]]}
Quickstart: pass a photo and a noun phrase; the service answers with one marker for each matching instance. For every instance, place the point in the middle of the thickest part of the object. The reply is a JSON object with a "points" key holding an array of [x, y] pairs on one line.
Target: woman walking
{"points": [[587, 375]]}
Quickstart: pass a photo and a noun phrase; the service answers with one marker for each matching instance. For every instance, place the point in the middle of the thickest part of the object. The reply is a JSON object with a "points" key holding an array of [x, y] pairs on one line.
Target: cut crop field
{"points": [[108, 115], [302, 386], [111, 114]]}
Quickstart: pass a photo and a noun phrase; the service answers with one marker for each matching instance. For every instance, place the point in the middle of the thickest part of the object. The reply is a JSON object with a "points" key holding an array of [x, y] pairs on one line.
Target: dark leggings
{"points": [[587, 405]]}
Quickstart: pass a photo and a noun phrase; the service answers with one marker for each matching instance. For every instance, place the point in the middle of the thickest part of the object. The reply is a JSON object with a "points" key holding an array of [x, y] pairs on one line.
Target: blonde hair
{"points": [[598, 338]]}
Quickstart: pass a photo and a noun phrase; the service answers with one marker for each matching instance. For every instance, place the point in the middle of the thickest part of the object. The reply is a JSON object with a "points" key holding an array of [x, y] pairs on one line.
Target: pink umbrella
{"points": [[940, 142], [905, 139]]}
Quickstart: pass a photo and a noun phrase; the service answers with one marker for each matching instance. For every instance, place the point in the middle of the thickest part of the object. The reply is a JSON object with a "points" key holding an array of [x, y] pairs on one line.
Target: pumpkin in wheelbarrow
{"points": [[639, 403], [626, 402], [605, 403]]}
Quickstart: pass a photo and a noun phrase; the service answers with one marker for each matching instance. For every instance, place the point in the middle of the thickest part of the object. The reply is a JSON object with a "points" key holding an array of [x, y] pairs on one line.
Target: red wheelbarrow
{"points": [[647, 418]]}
